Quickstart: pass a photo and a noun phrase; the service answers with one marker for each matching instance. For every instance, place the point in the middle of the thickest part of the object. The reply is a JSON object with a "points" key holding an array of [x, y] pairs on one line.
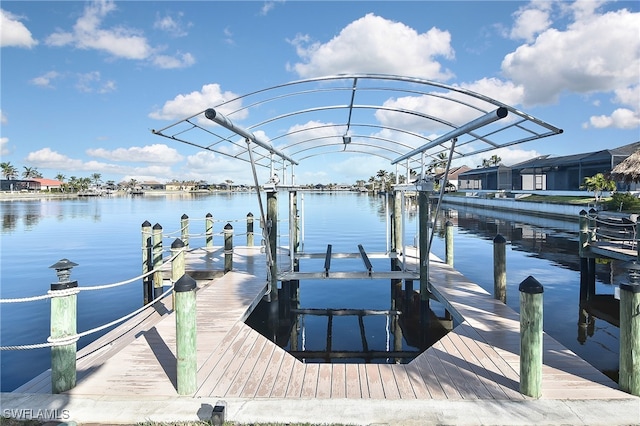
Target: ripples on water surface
{"points": [[103, 236]]}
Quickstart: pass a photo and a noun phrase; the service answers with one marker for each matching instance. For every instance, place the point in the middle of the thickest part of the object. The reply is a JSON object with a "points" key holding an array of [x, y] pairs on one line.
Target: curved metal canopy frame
{"points": [[304, 120]]}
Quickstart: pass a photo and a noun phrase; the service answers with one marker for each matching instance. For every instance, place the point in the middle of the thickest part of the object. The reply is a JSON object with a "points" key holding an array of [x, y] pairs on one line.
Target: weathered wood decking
{"points": [[478, 360]]}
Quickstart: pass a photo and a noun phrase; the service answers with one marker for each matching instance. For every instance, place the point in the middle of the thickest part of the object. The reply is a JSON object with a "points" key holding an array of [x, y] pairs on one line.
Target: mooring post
{"points": [[63, 328], [423, 217], [184, 229], [448, 245], [531, 337], [208, 229], [177, 265], [228, 248], [147, 282], [272, 229], [157, 261], [250, 229], [500, 268], [629, 379], [186, 348]]}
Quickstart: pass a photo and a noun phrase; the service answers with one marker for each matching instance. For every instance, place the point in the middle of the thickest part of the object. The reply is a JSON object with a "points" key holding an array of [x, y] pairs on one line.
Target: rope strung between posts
{"points": [[67, 340], [60, 293]]}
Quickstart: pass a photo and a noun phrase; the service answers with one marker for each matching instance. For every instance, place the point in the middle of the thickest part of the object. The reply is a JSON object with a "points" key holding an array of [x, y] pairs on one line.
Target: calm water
{"points": [[102, 235]]}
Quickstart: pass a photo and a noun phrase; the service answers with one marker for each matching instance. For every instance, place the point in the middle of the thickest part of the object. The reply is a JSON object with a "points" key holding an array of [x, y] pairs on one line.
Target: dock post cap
{"points": [[184, 284], [177, 243], [499, 239], [531, 286], [228, 226], [633, 288]]}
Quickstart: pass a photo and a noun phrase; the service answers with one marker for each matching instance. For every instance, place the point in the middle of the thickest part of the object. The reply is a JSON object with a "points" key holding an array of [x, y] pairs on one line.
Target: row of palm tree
{"points": [[9, 171]]}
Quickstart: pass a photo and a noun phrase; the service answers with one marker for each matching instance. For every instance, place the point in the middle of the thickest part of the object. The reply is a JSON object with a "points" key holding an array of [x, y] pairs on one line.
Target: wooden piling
{"points": [[250, 229], [531, 337], [208, 230], [63, 324], [157, 261], [272, 227], [184, 230], [228, 248], [186, 348], [500, 268], [147, 244], [448, 246], [629, 375], [178, 262], [423, 217]]}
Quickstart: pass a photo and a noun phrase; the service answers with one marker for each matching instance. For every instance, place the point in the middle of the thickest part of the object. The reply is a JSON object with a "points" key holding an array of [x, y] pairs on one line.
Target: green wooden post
{"points": [[250, 229], [629, 375], [531, 337], [209, 230], [228, 248], [500, 268], [178, 262], [186, 347], [272, 226], [157, 260], [448, 247], [63, 326], [147, 285], [184, 229]]}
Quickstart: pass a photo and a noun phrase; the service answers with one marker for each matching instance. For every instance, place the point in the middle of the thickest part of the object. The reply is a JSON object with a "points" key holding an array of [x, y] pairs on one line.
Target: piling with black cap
{"points": [[249, 229], [629, 375], [228, 248], [500, 268], [531, 337], [448, 242], [147, 262], [208, 230]]}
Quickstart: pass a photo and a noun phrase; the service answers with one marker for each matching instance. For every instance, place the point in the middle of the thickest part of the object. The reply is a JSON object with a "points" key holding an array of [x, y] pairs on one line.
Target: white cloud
{"points": [[4, 146], [46, 79], [156, 153], [208, 166], [14, 33], [457, 113], [172, 25], [374, 44], [192, 103], [531, 21], [596, 53], [3, 117], [87, 33], [92, 82], [181, 60], [621, 118], [119, 41]]}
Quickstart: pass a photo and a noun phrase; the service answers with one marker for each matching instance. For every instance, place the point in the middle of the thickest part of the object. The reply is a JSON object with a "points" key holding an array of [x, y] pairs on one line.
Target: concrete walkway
{"points": [[112, 410]]}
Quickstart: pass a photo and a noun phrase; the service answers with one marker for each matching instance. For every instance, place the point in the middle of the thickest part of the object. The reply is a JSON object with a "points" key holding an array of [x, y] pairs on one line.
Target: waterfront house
{"points": [[496, 178]]}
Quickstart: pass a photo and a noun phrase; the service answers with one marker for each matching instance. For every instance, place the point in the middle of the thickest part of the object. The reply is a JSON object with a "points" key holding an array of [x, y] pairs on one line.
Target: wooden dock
{"points": [[478, 360]]}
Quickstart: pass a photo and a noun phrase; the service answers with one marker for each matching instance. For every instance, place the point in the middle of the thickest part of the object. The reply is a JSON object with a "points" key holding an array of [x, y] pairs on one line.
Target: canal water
{"points": [[102, 235]]}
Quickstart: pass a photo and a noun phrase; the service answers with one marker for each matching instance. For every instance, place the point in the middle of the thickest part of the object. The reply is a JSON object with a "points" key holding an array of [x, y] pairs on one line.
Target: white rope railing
{"points": [[67, 340]]}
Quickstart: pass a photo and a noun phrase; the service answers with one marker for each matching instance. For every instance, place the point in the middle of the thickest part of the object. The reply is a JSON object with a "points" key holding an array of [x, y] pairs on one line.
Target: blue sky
{"points": [[82, 83]]}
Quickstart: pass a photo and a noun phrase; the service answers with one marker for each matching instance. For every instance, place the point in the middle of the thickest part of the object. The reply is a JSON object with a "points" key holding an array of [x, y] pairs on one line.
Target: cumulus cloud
{"points": [[14, 33], [92, 82], [596, 53], [460, 107], [156, 153], [374, 44], [530, 21], [192, 103], [118, 41]]}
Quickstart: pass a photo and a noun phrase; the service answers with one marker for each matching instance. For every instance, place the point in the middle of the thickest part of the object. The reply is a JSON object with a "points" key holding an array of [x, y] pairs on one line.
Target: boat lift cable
{"points": [[442, 188], [263, 223]]}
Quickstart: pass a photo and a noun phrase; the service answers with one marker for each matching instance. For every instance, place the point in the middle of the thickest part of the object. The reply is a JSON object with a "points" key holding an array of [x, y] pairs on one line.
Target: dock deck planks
{"points": [[479, 359]]}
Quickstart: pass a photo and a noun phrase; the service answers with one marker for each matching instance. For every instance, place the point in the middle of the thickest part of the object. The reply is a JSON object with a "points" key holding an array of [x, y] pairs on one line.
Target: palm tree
{"points": [[96, 178], [31, 173], [598, 183], [60, 177], [8, 170]]}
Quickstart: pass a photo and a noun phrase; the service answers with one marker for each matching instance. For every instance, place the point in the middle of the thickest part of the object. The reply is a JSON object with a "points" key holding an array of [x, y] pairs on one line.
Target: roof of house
{"points": [[47, 182], [454, 172]]}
